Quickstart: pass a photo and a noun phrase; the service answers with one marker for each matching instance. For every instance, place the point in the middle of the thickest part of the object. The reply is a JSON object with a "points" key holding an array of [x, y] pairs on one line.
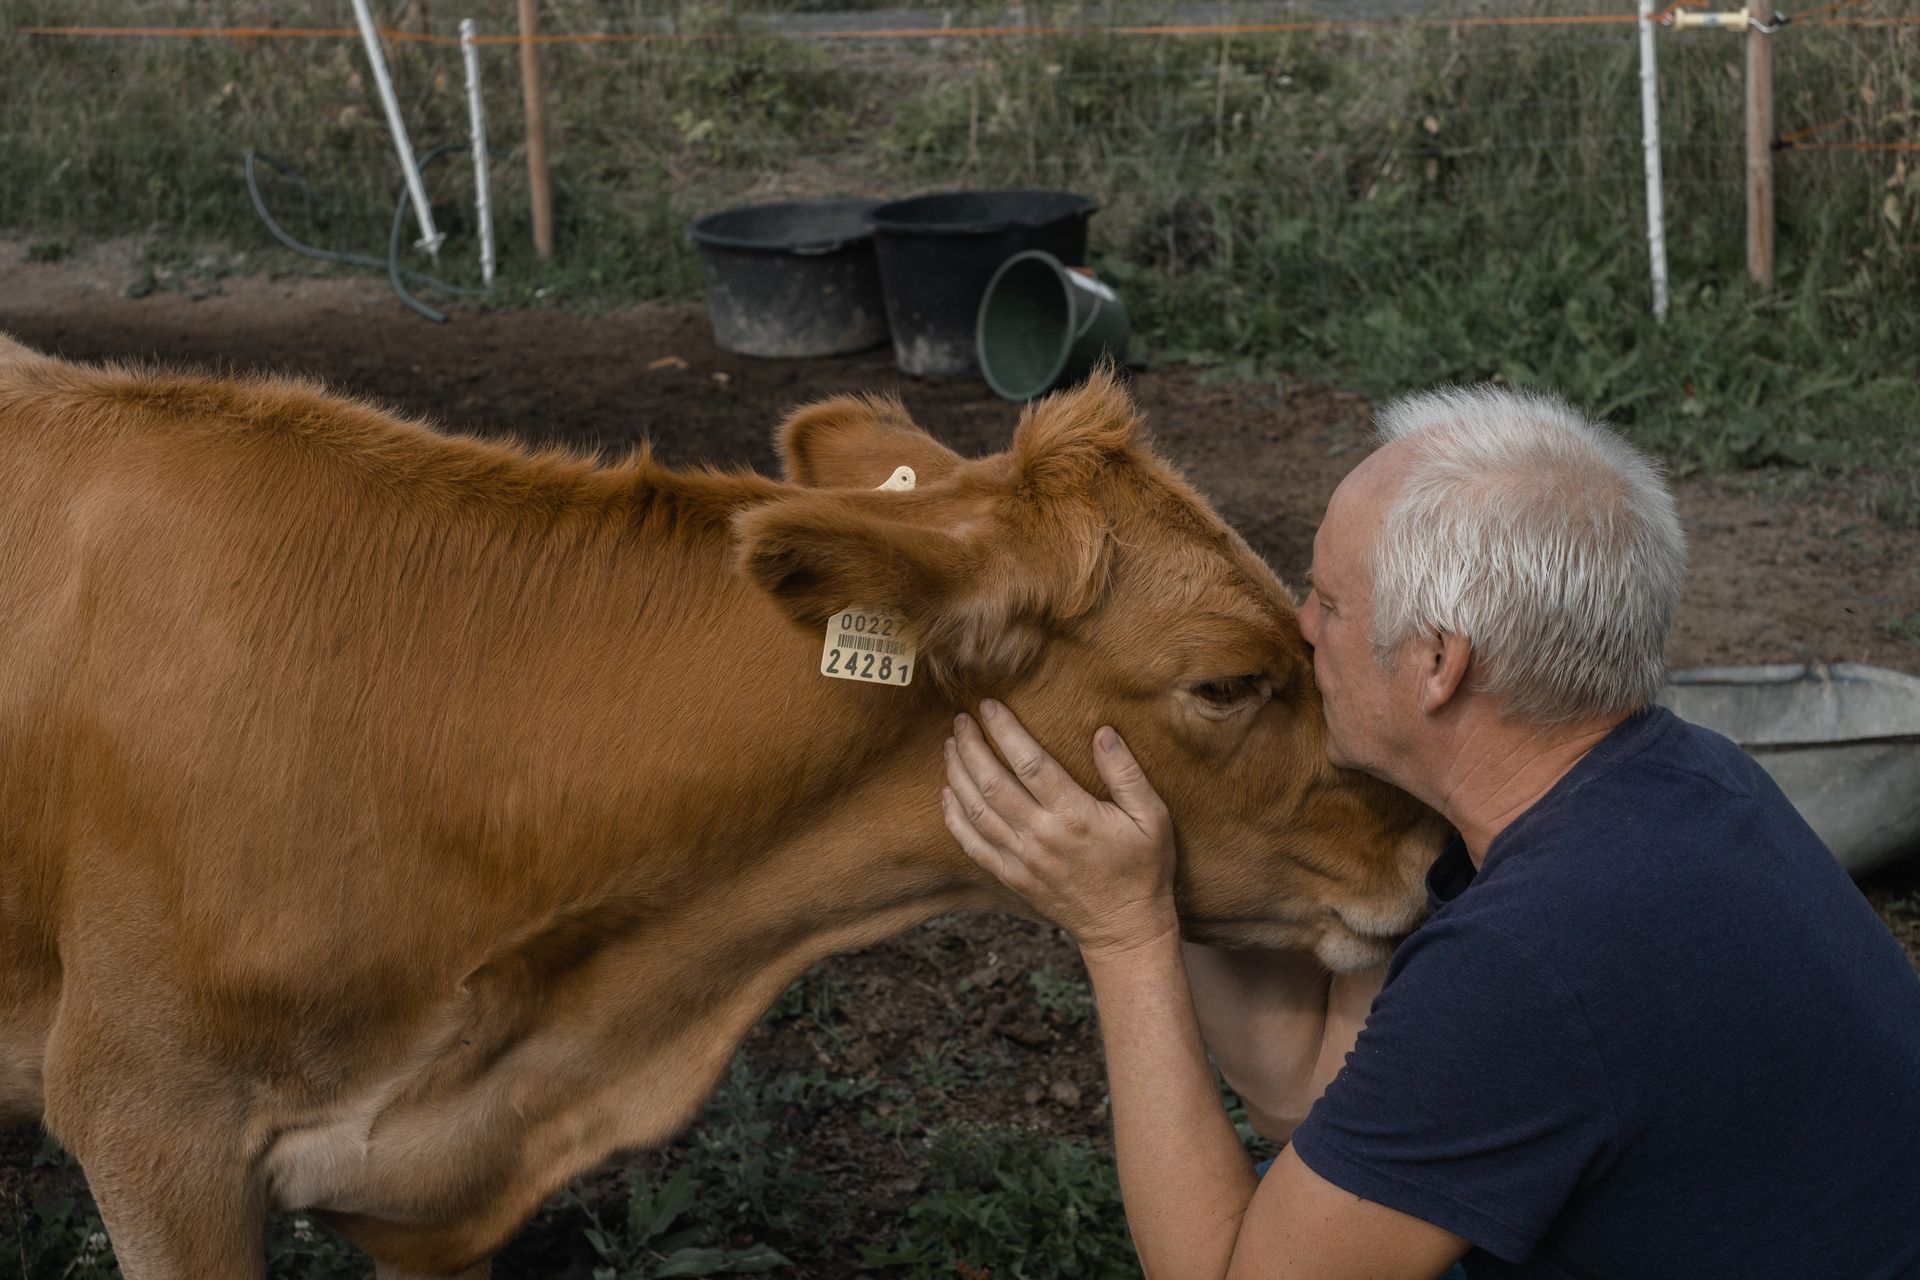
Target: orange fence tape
{"points": [[1825, 8], [905, 33], [1786, 139], [398, 36], [198, 33], [1852, 146]]}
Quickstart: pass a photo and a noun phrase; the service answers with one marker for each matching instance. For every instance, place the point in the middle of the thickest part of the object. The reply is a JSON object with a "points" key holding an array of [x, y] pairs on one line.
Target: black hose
{"points": [[396, 273]]}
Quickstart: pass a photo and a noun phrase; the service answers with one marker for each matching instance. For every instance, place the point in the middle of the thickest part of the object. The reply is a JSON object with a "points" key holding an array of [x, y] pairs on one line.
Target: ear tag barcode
{"points": [[870, 644]]}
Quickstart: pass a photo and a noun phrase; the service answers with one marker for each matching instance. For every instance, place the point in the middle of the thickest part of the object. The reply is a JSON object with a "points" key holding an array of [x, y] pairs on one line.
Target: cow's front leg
{"points": [[161, 1147], [178, 1199], [168, 1238], [478, 1271]]}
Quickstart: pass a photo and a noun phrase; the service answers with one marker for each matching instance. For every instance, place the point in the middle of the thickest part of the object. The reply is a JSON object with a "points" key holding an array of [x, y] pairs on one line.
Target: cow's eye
{"points": [[1228, 694]]}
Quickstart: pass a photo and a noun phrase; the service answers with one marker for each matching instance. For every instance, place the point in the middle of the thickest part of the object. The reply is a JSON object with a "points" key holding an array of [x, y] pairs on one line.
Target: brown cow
{"points": [[394, 825]]}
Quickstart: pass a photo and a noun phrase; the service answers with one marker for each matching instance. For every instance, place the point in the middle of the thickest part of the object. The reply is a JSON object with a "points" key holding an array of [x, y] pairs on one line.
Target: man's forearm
{"points": [[1263, 1014], [1279, 1024], [1185, 1178]]}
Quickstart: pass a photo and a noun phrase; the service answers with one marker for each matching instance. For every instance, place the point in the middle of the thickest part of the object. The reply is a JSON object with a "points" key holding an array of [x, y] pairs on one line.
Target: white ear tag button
{"points": [[870, 644]]}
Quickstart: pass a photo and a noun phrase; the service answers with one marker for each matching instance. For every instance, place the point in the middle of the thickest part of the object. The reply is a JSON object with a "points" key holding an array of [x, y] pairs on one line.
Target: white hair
{"points": [[1542, 538]]}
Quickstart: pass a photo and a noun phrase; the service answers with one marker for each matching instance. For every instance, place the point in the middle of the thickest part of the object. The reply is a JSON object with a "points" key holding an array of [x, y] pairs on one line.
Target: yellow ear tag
{"points": [[870, 644]]}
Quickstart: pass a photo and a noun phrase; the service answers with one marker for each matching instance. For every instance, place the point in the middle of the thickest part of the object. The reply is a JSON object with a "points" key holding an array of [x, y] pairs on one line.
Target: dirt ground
{"points": [[1784, 570]]}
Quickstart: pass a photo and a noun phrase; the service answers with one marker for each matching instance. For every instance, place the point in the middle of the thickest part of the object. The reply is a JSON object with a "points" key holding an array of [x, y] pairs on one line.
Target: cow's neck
{"points": [[652, 725], [677, 813]]}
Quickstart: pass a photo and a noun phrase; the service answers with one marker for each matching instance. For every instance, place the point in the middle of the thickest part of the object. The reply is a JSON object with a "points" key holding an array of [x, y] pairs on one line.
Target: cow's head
{"points": [[1079, 579]]}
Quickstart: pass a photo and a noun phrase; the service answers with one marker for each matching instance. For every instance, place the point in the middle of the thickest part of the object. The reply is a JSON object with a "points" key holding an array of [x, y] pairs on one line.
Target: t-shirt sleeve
{"points": [[1474, 1099]]}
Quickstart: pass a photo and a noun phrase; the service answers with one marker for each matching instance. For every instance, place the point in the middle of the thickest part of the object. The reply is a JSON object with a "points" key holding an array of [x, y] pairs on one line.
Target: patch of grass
{"points": [[1063, 995], [298, 1248], [1895, 499], [1907, 628], [745, 1152], [1009, 1203], [57, 249], [59, 1237], [734, 1194], [646, 1245], [939, 1070], [820, 999]]}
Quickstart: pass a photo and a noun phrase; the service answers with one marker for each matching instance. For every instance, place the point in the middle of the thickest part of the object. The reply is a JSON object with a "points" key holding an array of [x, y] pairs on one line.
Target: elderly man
{"points": [[1649, 1027]]}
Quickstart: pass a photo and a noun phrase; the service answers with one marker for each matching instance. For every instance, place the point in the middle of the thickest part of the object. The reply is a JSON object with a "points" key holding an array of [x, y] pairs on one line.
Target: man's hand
{"points": [[1101, 870]]}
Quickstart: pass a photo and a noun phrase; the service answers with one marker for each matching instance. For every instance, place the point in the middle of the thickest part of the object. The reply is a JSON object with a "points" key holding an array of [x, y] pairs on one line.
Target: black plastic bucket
{"points": [[937, 254], [796, 278]]}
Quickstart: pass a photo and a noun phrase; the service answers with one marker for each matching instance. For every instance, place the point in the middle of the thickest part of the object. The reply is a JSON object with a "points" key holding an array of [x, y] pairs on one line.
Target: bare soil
{"points": [[1785, 569]]}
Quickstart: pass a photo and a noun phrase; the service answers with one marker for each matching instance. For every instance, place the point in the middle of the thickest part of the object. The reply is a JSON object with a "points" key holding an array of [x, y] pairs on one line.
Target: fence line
{"points": [[400, 36], [683, 121]]}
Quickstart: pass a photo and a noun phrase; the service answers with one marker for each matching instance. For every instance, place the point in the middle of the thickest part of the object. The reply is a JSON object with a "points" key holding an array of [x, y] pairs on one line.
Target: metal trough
{"points": [[1842, 740]]}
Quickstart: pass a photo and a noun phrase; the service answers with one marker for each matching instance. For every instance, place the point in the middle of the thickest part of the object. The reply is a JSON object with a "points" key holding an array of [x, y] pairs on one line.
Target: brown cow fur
{"points": [[394, 825]]}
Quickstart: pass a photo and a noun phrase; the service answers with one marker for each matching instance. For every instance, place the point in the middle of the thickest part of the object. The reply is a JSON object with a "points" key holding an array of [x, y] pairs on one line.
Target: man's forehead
{"points": [[1361, 500], [1353, 517], [1379, 474]]}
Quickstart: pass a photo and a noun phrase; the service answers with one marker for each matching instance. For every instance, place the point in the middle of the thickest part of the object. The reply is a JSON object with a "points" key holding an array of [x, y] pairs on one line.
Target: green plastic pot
{"points": [[1043, 325]]}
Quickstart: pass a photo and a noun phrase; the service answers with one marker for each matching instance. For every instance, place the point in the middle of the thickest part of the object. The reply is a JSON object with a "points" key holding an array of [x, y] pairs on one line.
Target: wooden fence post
{"points": [[535, 103], [1760, 155]]}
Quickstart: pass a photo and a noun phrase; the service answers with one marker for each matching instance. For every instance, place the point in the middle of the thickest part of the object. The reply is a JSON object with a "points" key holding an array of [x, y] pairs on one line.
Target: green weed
{"points": [[649, 1248], [734, 1189], [298, 1248], [1063, 995], [939, 1071], [1907, 628], [745, 1153], [60, 1237], [1895, 499], [1011, 1203]]}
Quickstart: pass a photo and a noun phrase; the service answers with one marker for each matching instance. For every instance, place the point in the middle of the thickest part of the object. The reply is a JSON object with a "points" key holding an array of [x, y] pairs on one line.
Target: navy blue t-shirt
{"points": [[1659, 1033]]}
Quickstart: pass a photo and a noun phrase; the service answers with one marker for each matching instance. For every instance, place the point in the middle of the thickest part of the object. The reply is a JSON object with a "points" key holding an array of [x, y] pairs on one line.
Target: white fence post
{"points": [[429, 237], [477, 126], [1650, 145]]}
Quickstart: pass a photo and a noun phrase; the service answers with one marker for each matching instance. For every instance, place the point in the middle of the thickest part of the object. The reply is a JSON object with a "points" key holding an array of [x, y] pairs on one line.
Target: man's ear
{"points": [[856, 442], [976, 610], [1445, 658]]}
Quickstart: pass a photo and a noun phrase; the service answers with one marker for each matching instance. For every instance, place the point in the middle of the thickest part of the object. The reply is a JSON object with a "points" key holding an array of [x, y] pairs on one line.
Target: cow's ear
{"points": [[979, 609], [1067, 439], [818, 553], [857, 442]]}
